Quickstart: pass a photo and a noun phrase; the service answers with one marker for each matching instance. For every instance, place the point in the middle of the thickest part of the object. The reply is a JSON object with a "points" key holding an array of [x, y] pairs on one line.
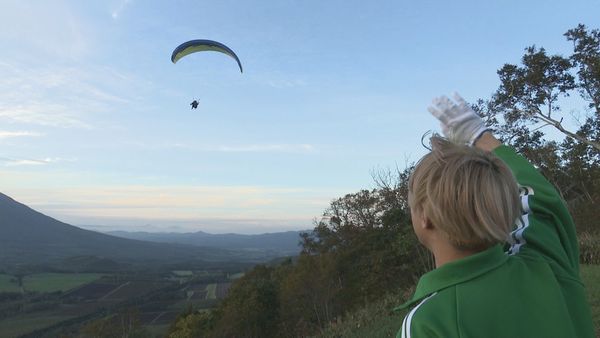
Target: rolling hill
{"points": [[30, 237], [282, 243]]}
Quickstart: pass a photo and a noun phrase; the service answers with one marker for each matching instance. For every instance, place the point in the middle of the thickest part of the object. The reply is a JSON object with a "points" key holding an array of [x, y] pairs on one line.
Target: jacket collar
{"points": [[457, 272]]}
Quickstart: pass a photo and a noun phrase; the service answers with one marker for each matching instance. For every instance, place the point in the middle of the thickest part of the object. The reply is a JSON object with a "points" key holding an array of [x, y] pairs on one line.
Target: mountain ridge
{"points": [[30, 237], [287, 242]]}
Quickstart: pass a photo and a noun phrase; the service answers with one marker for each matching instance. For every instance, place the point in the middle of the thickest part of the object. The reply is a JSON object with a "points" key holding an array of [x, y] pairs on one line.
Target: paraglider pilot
{"points": [[194, 104]]}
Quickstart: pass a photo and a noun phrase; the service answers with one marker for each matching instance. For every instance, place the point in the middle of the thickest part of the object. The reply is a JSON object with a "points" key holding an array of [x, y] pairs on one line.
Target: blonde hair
{"points": [[469, 194]]}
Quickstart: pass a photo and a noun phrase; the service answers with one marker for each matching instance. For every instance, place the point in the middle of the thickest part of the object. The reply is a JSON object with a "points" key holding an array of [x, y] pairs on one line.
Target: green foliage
{"points": [[309, 294], [531, 93], [531, 96], [360, 323], [590, 274], [125, 323], [586, 59], [251, 308], [194, 324]]}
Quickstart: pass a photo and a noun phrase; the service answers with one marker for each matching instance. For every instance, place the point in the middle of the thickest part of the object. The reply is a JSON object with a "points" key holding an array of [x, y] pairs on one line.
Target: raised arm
{"points": [[546, 229]]}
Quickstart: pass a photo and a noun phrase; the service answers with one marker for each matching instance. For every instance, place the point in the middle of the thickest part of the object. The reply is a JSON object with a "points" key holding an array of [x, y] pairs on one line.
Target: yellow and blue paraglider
{"points": [[194, 46]]}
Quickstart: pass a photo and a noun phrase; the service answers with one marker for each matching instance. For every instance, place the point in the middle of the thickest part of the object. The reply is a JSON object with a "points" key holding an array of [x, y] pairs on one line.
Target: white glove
{"points": [[460, 124]]}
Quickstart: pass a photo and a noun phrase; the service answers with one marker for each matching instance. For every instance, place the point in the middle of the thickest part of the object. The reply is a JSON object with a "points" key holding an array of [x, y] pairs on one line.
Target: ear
{"points": [[426, 223]]}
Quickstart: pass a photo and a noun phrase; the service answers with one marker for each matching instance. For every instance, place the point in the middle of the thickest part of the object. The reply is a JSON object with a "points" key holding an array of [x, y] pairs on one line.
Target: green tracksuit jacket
{"points": [[531, 290]]}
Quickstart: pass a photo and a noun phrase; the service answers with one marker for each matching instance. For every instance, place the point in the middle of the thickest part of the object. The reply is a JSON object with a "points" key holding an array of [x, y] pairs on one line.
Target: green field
{"points": [[14, 327], [208, 274], [211, 291], [236, 275], [50, 282], [6, 285], [47, 282], [183, 273]]}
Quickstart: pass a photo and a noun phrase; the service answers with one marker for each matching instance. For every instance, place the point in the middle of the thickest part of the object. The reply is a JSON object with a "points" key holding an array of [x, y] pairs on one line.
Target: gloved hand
{"points": [[460, 124]]}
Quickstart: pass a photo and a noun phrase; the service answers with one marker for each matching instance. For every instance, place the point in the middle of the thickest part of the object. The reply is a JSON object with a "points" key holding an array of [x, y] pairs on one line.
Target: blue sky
{"points": [[96, 128]]}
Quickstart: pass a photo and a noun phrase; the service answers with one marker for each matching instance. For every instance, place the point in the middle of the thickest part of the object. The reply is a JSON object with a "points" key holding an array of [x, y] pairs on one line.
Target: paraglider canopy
{"points": [[194, 46]]}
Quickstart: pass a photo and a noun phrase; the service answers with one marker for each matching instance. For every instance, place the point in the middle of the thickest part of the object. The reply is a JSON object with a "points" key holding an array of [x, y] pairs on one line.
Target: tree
{"points": [[309, 295], [192, 324], [531, 93], [251, 308], [369, 238], [531, 96], [586, 59], [125, 323]]}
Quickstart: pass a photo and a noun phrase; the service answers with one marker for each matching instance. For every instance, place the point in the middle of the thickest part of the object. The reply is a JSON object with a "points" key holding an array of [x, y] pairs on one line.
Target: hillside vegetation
{"points": [[361, 259], [377, 321]]}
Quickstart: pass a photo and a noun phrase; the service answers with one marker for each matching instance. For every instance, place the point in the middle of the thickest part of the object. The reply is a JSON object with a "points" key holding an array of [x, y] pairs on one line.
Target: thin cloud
{"points": [[54, 115], [52, 28], [57, 96], [266, 148], [12, 162], [117, 12], [248, 148], [177, 202], [9, 134]]}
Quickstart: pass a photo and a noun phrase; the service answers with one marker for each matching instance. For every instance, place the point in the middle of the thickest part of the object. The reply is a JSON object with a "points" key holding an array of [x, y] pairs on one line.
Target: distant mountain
{"points": [[285, 243], [29, 237]]}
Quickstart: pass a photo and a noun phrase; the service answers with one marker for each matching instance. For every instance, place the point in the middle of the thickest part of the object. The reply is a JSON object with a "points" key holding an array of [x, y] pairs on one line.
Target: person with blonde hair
{"points": [[504, 244]]}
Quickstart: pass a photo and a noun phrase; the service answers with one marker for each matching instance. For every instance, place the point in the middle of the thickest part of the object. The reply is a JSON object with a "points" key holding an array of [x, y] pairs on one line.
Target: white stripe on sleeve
{"points": [[517, 234], [408, 319]]}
